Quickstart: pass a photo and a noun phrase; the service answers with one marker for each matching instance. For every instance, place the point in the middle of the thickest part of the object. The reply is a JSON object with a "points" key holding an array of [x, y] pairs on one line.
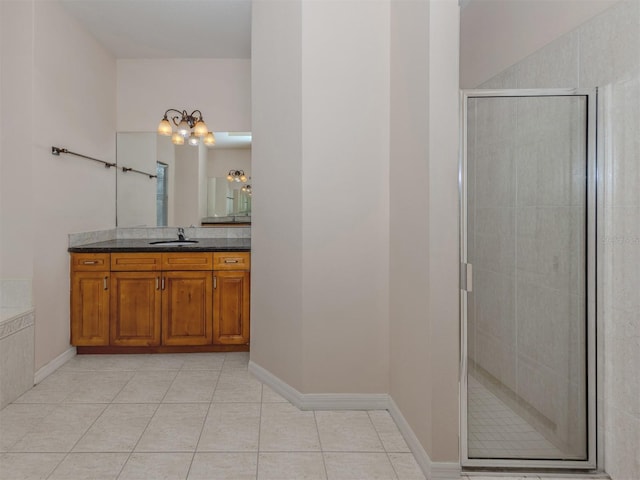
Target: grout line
{"points": [[147, 425], [322, 451], [384, 448], [204, 422], [259, 429], [215, 375]]}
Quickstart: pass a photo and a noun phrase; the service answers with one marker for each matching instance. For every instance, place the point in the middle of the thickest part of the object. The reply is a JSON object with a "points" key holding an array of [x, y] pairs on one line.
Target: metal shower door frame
{"points": [[592, 258]]}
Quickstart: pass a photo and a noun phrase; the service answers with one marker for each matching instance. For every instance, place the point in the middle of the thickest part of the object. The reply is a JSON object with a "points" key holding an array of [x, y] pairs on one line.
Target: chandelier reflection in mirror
{"points": [[189, 127], [237, 176], [247, 188]]}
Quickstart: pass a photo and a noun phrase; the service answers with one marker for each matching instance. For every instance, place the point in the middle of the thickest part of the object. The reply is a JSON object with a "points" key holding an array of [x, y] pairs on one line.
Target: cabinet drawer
{"points": [[232, 261], [85, 262], [187, 261], [136, 261]]}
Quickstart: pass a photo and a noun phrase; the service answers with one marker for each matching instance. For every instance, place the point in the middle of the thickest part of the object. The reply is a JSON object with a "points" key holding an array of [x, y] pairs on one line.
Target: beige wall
{"points": [[59, 85], [322, 326], [498, 33], [276, 230], [74, 80], [345, 196], [219, 88], [221, 160], [424, 231], [136, 194], [410, 343], [16, 103], [355, 291], [186, 199]]}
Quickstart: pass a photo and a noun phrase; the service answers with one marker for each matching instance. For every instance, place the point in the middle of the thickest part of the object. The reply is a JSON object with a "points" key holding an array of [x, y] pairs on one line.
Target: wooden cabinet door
{"points": [[135, 308], [187, 308], [231, 307], [89, 308]]}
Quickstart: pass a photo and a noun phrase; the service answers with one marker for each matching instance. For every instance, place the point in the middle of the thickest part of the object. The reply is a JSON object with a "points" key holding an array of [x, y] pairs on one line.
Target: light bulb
{"points": [[184, 128], [177, 139], [193, 140], [243, 179], [230, 177], [209, 139], [165, 127], [200, 129]]}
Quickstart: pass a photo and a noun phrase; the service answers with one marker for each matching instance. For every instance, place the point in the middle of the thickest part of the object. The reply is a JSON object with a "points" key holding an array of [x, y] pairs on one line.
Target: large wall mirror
{"points": [[162, 184]]}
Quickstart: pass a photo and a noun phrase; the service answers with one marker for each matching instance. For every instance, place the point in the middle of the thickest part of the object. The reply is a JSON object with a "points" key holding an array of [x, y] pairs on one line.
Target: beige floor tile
{"points": [[61, 429], [284, 428], [269, 396], [392, 439], [291, 466], [406, 467], [347, 431], [166, 361], [146, 387], [104, 363], [28, 466], [157, 466], [204, 361], [174, 405], [192, 386], [100, 388], [358, 466], [17, 419], [118, 429], [231, 427], [94, 466], [53, 389], [236, 385], [224, 466], [236, 360], [175, 427]]}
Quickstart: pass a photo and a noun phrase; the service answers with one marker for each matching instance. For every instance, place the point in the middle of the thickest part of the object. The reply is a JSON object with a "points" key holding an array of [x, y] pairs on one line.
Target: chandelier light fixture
{"points": [[189, 126], [237, 176]]}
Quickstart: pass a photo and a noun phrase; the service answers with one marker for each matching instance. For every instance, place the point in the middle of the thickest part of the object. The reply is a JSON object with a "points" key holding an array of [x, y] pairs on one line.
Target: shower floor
{"points": [[496, 431]]}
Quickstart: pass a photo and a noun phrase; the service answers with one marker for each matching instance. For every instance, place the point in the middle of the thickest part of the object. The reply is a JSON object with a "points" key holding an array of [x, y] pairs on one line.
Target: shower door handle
{"points": [[466, 277]]}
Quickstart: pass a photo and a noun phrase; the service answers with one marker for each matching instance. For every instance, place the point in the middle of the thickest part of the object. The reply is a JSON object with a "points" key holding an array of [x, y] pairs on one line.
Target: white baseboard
{"points": [[376, 401], [432, 470], [320, 401], [54, 364]]}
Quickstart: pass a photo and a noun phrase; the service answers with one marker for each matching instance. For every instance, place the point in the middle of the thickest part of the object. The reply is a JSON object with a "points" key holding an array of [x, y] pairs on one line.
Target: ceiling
{"points": [[167, 28]]}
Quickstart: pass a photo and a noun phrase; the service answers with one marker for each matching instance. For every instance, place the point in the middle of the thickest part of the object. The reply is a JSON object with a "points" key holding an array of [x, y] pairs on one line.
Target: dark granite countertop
{"points": [[143, 245]]}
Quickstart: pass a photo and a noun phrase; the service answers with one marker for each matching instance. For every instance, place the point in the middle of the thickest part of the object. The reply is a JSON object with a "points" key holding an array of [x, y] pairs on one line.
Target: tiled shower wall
{"points": [[605, 53]]}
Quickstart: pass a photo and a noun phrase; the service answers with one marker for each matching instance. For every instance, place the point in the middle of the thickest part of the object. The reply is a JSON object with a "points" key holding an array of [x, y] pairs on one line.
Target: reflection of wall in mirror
{"points": [[135, 192], [225, 198], [221, 160]]}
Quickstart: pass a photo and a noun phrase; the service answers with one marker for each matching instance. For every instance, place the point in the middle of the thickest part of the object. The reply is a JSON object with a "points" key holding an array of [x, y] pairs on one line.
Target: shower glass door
{"points": [[528, 268]]}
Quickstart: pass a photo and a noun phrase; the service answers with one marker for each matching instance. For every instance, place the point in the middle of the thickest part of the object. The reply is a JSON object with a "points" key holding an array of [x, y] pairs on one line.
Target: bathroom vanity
{"points": [[130, 296]]}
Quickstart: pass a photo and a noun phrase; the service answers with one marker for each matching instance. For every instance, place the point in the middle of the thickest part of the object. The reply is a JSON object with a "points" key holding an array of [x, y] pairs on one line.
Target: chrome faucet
{"points": [[181, 234]]}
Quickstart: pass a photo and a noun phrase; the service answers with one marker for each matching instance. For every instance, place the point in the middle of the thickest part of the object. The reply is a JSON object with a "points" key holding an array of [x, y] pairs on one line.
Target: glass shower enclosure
{"points": [[528, 278]]}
